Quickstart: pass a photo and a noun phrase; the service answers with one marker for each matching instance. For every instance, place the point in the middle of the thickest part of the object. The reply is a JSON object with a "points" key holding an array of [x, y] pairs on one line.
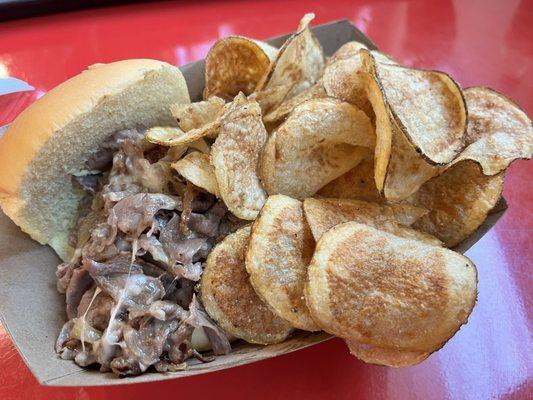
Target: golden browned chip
{"points": [[384, 127], [357, 183], [382, 57], [196, 115], [299, 62], [399, 170], [323, 214], [173, 136], [342, 80], [342, 77], [347, 50], [200, 145], [384, 356], [458, 201], [230, 299], [407, 214], [195, 167], [428, 106], [271, 98], [285, 108], [498, 131], [236, 64], [279, 251], [382, 290], [321, 140], [407, 169], [166, 136], [174, 153], [235, 157]]}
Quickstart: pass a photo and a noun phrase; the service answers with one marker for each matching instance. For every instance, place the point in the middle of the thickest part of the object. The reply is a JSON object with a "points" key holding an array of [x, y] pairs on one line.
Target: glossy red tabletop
{"points": [[479, 42]]}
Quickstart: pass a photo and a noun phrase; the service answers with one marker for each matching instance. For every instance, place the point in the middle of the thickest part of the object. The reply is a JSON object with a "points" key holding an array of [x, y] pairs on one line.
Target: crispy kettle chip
{"points": [[382, 290], [236, 64], [342, 79], [499, 132], [428, 107], [235, 157], [230, 299], [321, 140], [173, 136], [299, 62], [196, 115], [271, 98], [407, 170], [383, 58], [385, 356], [347, 50], [280, 249], [357, 183], [458, 201], [399, 170], [324, 214], [195, 167], [285, 108]]}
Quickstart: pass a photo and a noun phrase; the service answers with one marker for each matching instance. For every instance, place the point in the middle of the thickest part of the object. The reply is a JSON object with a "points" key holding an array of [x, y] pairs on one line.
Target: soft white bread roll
{"points": [[52, 139]]}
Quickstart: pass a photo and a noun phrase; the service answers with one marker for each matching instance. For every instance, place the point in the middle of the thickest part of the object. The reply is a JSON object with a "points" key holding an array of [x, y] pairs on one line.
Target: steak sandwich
{"points": [[77, 174]]}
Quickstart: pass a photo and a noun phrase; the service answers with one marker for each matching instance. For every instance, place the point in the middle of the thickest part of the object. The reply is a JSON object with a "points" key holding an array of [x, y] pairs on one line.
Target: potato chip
{"points": [[384, 127], [382, 290], [321, 140], [271, 98], [200, 145], [279, 251], [299, 62], [230, 299], [347, 50], [196, 115], [166, 135], [428, 107], [236, 64], [235, 157], [195, 167], [324, 214], [498, 131], [384, 356], [357, 183], [407, 169], [342, 81], [285, 108], [407, 214], [173, 136], [175, 153], [399, 170], [382, 57], [459, 201]]}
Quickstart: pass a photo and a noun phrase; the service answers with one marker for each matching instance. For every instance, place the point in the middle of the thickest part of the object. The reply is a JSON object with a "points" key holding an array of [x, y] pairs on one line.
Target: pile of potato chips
{"points": [[358, 174]]}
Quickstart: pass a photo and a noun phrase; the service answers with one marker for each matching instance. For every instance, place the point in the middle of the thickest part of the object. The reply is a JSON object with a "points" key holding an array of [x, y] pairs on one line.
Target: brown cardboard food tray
{"points": [[32, 310]]}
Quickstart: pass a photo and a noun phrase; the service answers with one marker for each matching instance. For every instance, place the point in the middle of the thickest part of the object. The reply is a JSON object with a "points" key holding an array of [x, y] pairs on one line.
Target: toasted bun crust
{"points": [[52, 139]]}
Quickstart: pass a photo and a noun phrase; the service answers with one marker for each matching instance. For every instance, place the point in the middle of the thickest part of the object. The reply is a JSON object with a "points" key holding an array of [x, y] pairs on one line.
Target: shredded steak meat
{"points": [[142, 238], [79, 283]]}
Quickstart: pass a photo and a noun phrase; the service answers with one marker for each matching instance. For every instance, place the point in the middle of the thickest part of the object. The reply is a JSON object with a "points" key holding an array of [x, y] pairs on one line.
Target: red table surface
{"points": [[478, 42]]}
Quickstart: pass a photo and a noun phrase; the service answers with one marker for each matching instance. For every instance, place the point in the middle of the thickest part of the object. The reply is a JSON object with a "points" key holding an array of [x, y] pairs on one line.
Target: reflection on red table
{"points": [[478, 42]]}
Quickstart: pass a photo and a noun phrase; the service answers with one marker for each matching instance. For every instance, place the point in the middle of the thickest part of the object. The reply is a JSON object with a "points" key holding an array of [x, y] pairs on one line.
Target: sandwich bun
{"points": [[51, 140]]}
